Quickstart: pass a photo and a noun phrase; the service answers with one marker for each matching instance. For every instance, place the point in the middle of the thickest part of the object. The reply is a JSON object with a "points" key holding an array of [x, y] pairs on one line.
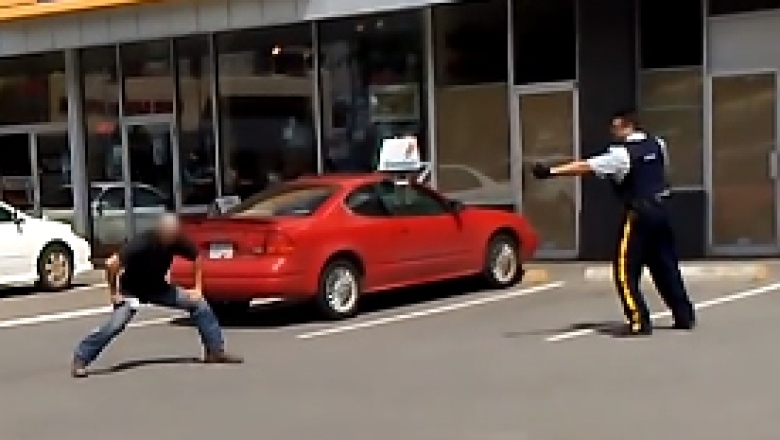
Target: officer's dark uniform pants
{"points": [[647, 240]]}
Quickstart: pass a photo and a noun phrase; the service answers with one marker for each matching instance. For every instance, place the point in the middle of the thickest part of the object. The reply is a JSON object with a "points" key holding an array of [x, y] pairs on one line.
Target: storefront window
{"points": [[266, 87], [32, 89], [670, 85], [104, 148], [472, 146], [372, 87], [722, 7], [197, 151], [148, 79], [545, 41]]}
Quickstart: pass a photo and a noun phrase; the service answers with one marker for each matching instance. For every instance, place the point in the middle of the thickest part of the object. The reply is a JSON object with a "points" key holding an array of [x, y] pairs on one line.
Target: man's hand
{"points": [[116, 298], [194, 294], [541, 171]]}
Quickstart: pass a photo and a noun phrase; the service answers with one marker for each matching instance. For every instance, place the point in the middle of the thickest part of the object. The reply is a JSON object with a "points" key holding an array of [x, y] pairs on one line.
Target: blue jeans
{"points": [[200, 314]]}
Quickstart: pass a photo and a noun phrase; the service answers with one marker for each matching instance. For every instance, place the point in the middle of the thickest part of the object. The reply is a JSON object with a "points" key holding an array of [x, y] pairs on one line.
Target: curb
{"points": [[740, 271], [536, 276]]}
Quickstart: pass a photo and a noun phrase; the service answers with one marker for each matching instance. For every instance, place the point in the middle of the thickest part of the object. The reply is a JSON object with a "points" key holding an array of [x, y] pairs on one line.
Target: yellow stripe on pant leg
{"points": [[625, 289]]}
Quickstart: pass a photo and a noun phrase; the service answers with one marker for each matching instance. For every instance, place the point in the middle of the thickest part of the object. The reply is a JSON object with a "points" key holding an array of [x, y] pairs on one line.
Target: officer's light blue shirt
{"points": [[615, 163]]}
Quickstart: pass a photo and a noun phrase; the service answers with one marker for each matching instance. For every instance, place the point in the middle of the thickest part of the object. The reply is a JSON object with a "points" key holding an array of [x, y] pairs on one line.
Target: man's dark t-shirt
{"points": [[146, 261]]}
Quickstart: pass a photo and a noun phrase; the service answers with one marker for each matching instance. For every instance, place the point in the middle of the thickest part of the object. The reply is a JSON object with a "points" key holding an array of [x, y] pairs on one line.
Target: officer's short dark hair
{"points": [[627, 115]]}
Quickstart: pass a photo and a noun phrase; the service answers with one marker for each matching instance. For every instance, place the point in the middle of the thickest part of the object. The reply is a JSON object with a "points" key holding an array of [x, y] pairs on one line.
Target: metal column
{"points": [[78, 144]]}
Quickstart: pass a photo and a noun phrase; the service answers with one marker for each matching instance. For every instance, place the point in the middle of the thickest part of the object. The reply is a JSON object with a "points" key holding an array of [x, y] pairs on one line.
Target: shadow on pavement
{"points": [[22, 291], [131, 365], [605, 328], [286, 314]]}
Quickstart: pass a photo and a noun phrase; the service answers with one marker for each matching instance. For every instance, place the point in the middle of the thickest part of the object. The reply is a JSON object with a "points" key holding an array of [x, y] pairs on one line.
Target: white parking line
{"points": [[54, 317], [49, 295], [84, 313], [433, 311], [700, 305]]}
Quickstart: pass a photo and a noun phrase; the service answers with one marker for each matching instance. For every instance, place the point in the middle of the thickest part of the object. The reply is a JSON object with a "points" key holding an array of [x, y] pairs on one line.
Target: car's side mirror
{"points": [[455, 206]]}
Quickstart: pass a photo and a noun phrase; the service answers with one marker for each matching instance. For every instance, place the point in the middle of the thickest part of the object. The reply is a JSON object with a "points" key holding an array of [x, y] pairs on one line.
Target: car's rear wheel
{"points": [[340, 288], [55, 267], [503, 265]]}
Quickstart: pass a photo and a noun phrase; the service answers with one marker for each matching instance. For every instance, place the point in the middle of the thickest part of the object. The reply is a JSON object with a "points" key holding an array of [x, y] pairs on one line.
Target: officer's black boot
{"points": [[634, 330]]}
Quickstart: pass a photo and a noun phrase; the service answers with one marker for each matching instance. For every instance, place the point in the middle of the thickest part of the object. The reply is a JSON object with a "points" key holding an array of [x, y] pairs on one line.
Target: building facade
{"points": [[111, 110]]}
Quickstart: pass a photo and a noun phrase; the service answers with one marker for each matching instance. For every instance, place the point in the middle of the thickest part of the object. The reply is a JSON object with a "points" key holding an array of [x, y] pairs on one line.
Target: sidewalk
{"points": [[713, 269]]}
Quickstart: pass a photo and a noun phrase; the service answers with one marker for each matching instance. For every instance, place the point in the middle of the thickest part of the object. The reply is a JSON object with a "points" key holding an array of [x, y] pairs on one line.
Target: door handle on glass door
{"points": [[773, 164]]}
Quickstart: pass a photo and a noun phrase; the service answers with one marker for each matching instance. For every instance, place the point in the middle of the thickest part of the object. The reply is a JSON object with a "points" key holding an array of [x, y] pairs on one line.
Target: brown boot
{"points": [[221, 357]]}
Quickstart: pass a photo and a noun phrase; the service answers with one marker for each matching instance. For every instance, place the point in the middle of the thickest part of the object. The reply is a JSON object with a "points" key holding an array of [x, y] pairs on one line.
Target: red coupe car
{"points": [[334, 238]]}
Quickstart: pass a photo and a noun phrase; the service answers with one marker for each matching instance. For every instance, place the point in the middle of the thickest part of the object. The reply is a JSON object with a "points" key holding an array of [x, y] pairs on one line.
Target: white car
{"points": [[39, 251], [473, 186], [107, 203]]}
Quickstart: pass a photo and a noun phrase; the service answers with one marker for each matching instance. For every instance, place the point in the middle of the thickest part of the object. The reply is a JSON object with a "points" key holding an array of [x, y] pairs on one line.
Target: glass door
{"points": [[16, 171], [35, 171], [547, 133], [152, 168], [50, 151], [744, 139]]}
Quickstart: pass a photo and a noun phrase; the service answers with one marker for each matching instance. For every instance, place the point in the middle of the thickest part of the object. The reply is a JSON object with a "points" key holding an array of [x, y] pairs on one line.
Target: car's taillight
{"points": [[278, 243]]}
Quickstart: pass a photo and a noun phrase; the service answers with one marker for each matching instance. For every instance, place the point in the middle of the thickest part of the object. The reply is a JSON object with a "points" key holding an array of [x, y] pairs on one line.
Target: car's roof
{"points": [[343, 178]]}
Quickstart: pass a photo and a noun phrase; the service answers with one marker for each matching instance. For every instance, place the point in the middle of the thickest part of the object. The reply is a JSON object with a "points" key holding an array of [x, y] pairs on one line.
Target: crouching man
{"points": [[137, 274]]}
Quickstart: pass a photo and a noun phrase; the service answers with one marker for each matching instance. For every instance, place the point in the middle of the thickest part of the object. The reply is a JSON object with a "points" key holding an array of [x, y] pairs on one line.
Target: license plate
{"points": [[219, 251]]}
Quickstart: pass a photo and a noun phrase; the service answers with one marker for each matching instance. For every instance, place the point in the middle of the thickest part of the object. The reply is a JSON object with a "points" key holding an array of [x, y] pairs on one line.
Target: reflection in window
{"points": [[671, 107], [197, 147], [744, 133], [266, 89], [670, 84], [147, 72], [372, 86], [16, 181], [54, 173], [473, 146], [104, 142], [32, 89]]}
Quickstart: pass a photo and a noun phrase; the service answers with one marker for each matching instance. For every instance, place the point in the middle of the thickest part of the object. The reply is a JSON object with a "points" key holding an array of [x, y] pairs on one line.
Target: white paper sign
{"points": [[400, 154]]}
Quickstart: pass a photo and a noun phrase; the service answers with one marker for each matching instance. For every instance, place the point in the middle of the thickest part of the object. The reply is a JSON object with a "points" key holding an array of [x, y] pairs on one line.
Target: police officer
{"points": [[636, 166]]}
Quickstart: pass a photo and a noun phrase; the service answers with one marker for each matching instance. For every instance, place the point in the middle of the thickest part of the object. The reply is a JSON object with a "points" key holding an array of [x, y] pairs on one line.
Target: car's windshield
{"points": [[284, 200]]}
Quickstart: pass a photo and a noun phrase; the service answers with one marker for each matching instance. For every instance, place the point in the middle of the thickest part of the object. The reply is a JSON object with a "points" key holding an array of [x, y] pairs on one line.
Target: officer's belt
{"points": [[656, 199]]}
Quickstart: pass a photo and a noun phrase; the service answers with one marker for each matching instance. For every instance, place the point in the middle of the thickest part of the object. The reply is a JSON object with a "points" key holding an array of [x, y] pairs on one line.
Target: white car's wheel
{"points": [[503, 267], [55, 267], [340, 289]]}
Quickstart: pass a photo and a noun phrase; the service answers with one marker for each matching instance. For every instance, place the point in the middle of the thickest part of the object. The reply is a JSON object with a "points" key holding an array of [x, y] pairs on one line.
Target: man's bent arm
{"points": [[198, 274], [113, 267]]}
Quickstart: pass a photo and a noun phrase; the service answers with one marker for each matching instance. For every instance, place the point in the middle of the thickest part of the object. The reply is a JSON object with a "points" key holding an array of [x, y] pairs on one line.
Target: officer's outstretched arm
{"points": [[574, 168]]}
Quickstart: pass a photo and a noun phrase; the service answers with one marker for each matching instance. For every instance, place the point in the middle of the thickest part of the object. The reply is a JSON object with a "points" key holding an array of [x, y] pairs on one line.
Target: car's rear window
{"points": [[284, 200]]}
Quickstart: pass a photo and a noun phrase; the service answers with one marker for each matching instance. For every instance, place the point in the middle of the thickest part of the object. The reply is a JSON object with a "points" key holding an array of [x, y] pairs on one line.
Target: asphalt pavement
{"points": [[446, 362]]}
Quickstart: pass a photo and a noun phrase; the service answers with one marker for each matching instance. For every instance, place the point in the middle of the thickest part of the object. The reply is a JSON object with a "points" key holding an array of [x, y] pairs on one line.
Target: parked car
{"points": [[108, 212], [334, 238], [39, 251]]}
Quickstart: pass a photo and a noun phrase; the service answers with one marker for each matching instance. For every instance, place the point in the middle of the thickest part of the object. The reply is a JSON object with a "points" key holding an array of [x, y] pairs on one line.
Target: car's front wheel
{"points": [[503, 265], [55, 268], [340, 288]]}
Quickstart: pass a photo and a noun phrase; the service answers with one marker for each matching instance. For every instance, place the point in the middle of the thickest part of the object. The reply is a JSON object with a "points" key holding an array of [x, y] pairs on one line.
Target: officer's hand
{"points": [[541, 171]]}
